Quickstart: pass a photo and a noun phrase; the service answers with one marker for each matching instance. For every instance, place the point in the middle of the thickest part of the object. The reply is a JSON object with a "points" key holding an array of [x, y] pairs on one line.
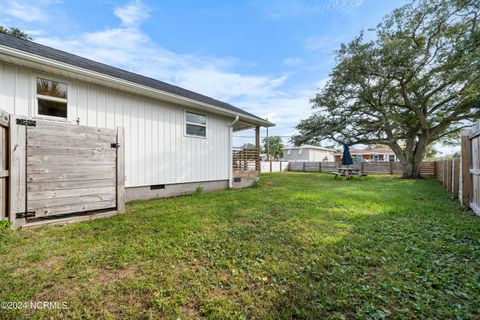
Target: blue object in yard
{"points": [[347, 157]]}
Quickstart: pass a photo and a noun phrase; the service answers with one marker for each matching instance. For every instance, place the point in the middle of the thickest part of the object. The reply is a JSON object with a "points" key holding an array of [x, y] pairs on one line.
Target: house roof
{"points": [[97, 67], [379, 150], [307, 146]]}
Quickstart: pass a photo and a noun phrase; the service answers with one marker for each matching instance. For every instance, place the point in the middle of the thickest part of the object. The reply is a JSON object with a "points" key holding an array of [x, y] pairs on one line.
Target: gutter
{"points": [[19, 54]]}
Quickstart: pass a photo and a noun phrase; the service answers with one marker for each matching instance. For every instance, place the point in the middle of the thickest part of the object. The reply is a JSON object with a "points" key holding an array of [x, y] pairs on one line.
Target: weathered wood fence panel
{"points": [[471, 170], [461, 176], [387, 167], [4, 164], [49, 168], [18, 165], [68, 158]]}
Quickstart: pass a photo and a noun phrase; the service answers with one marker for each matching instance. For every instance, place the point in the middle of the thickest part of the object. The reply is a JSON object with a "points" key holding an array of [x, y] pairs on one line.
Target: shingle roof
{"points": [[77, 61]]}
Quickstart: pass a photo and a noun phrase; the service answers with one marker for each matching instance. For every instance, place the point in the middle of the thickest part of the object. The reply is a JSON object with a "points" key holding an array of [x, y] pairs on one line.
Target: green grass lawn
{"points": [[298, 245]]}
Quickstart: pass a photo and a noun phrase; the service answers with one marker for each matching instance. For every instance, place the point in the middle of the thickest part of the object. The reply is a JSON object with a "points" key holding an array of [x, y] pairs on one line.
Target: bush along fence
{"points": [[461, 176]]}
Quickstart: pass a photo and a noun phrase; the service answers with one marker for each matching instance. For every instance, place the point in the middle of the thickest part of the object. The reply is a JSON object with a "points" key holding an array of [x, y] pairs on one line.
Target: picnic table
{"points": [[348, 172]]}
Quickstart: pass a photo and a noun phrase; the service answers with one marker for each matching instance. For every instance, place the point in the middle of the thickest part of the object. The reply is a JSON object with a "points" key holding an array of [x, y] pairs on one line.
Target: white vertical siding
{"points": [[156, 148]]}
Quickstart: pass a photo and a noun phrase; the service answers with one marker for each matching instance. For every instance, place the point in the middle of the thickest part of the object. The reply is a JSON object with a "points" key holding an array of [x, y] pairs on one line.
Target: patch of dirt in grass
{"points": [[190, 312], [51, 264], [112, 275]]}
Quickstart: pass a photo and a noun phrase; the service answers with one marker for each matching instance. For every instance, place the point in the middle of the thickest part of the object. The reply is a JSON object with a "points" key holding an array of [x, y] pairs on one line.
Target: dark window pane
{"points": [[196, 130], [51, 88], [52, 108], [196, 118]]}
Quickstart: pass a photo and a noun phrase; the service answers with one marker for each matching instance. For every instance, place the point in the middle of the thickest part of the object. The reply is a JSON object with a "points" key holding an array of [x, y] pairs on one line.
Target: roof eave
{"points": [[162, 95]]}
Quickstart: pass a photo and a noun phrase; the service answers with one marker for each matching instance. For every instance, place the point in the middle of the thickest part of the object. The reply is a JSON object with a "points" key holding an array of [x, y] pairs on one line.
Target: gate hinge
{"points": [[28, 214], [115, 145], [26, 122]]}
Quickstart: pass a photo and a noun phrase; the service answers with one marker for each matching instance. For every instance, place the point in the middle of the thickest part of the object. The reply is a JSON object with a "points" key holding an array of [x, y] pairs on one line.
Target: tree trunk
{"points": [[412, 159], [411, 169]]}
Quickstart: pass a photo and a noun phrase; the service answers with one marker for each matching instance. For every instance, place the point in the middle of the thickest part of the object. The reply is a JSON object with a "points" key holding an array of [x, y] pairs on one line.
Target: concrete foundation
{"points": [[172, 190], [244, 179]]}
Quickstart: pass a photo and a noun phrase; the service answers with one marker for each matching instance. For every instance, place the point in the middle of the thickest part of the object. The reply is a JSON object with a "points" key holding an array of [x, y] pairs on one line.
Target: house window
{"points": [[300, 151], [196, 124], [51, 98], [376, 157], [391, 157], [289, 152]]}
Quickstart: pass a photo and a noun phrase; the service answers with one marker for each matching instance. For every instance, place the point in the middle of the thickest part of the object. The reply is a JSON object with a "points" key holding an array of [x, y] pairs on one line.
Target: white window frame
{"points": [[49, 98], [195, 124]]}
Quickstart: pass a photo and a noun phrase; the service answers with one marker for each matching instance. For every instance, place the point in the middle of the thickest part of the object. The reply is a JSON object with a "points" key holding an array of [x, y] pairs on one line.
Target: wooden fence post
{"points": [[120, 170], [18, 175], [319, 166], [449, 175], [391, 167], [456, 178], [465, 170]]}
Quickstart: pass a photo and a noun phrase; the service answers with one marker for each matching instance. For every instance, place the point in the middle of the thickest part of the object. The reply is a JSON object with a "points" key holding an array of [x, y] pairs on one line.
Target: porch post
{"points": [[257, 146]]}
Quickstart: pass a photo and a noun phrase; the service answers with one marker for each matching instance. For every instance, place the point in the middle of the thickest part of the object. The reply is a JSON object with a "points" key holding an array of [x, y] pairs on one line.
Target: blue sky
{"points": [[268, 57]]}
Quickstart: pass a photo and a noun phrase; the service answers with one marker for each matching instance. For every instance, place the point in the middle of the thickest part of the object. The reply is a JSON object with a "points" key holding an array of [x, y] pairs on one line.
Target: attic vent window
{"points": [[51, 98], [195, 124]]}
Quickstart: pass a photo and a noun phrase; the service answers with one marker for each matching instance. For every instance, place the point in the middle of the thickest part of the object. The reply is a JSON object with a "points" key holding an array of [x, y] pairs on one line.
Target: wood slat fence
{"points": [[4, 164], [381, 167], [461, 176], [470, 169], [245, 159], [57, 171]]}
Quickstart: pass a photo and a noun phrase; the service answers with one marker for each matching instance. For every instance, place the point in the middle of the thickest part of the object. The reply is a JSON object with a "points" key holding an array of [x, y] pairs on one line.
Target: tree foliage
{"points": [[15, 32], [417, 81], [273, 146]]}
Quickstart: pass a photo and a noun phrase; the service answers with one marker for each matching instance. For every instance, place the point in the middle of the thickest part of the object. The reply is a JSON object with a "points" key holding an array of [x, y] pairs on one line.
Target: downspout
{"points": [[230, 152]]}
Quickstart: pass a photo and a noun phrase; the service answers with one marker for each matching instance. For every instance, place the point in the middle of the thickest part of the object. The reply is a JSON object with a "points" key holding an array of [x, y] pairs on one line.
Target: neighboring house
{"points": [[176, 140], [308, 153], [370, 154]]}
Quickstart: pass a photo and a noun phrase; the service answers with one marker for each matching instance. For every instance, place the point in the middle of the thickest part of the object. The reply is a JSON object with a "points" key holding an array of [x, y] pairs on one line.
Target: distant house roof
{"points": [[87, 64], [307, 146], [379, 150]]}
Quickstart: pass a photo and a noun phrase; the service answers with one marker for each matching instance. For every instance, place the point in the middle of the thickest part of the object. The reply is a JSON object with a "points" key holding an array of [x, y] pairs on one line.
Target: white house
{"points": [[308, 153], [176, 140]]}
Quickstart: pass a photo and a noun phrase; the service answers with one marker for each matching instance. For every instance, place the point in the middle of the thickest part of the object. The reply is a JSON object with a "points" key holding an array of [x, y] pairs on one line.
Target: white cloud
{"points": [[292, 62], [27, 11], [322, 43], [129, 48], [300, 8], [133, 13]]}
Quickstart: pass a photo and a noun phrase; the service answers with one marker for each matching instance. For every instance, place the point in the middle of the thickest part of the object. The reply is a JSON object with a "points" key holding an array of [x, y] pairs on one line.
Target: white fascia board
{"points": [[162, 95]]}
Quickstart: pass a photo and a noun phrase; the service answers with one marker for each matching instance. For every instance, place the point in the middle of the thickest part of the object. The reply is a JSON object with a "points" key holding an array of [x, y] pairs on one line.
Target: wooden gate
{"points": [[470, 174], [59, 168]]}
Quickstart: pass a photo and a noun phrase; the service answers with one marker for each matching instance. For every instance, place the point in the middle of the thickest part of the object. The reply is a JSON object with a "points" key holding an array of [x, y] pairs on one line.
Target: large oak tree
{"points": [[417, 81]]}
